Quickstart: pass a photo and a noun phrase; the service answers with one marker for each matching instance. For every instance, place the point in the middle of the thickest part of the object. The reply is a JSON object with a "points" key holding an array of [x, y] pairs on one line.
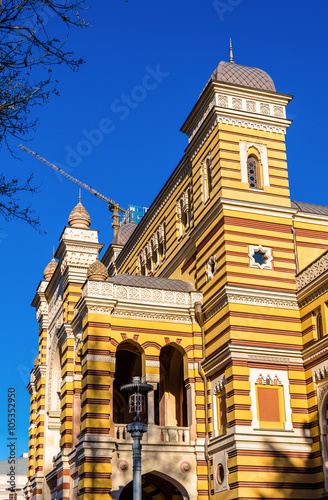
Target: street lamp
{"points": [[137, 405]]}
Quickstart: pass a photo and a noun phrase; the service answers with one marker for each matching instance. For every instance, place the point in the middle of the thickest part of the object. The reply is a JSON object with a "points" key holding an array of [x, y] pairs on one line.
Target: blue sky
{"points": [[136, 148]]}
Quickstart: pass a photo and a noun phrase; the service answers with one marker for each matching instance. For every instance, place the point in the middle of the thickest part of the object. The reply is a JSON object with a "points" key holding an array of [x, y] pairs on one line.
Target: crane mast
{"points": [[113, 207]]}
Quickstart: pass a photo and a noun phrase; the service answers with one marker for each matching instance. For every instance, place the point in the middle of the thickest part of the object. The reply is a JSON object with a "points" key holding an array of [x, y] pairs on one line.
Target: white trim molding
{"points": [[282, 378], [218, 385], [263, 152], [267, 264]]}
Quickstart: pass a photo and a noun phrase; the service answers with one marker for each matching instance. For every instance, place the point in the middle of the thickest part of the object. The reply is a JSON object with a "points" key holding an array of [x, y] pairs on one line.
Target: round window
{"points": [[220, 474]]}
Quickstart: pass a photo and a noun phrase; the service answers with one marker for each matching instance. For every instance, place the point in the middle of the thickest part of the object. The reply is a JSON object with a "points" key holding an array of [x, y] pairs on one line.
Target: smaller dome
{"points": [[50, 269], [97, 271], [79, 217], [123, 234]]}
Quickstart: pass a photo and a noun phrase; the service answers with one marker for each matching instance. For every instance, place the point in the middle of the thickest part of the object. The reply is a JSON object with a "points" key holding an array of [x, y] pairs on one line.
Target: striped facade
{"points": [[218, 298]]}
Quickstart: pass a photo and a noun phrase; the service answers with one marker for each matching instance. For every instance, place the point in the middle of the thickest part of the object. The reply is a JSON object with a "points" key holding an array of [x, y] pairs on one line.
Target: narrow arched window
{"points": [[253, 171], [208, 179], [319, 326]]}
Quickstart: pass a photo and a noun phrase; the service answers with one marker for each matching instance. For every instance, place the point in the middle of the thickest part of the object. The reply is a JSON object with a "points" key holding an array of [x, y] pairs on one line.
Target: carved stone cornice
{"points": [[312, 282], [242, 122], [65, 332], [204, 138], [168, 317], [136, 295], [99, 297], [40, 372], [315, 294], [260, 355], [31, 386], [249, 297], [315, 351], [313, 271]]}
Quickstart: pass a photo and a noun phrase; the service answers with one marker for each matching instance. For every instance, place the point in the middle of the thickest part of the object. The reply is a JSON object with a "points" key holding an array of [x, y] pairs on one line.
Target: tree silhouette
{"points": [[29, 41]]}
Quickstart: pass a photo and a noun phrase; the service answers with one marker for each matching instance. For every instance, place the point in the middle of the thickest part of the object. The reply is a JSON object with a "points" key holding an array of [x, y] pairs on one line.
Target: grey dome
{"points": [[123, 234], [229, 72]]}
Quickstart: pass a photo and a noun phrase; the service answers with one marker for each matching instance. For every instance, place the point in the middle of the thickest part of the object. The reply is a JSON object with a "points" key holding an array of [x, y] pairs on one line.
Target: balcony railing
{"points": [[121, 434], [156, 434], [175, 434]]}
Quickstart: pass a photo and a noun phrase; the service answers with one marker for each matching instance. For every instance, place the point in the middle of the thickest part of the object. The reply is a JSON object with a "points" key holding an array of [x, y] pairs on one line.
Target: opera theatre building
{"points": [[217, 299]]}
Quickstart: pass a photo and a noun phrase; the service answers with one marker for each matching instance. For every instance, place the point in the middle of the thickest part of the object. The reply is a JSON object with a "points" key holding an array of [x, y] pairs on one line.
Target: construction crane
{"points": [[113, 207]]}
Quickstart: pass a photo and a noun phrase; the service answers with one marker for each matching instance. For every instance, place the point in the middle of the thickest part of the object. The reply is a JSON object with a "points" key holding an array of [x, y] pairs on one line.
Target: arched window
{"points": [[128, 365], [319, 325], [172, 391], [253, 172], [154, 255], [208, 179], [160, 246]]}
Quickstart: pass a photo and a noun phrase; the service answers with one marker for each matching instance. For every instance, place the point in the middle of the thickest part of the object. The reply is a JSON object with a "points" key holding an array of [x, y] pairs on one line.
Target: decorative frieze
{"points": [[251, 106], [278, 111], [204, 139], [263, 301], [152, 316], [313, 271], [265, 108], [73, 233], [268, 380], [153, 363], [269, 359], [239, 122], [78, 259], [56, 308], [223, 101], [251, 300], [107, 290], [219, 384], [319, 291], [237, 103], [203, 117], [320, 371]]}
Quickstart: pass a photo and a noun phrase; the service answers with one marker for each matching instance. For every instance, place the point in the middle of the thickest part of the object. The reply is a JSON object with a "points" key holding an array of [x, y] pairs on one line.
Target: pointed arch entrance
{"points": [[157, 486]]}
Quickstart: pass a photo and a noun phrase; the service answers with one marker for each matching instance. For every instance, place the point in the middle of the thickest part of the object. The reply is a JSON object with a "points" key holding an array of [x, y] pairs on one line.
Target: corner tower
{"points": [[228, 226], [237, 132]]}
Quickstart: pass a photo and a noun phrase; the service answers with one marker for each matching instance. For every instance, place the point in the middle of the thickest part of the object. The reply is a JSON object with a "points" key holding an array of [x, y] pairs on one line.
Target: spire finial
{"points": [[79, 195], [53, 252], [231, 54]]}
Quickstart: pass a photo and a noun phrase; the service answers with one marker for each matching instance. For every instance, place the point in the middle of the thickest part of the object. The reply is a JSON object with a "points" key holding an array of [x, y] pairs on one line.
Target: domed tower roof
{"points": [[50, 269], [79, 217], [229, 72], [97, 271], [124, 233]]}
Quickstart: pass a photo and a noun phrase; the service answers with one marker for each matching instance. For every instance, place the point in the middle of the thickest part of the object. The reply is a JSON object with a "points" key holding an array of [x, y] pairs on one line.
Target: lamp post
{"points": [[137, 391]]}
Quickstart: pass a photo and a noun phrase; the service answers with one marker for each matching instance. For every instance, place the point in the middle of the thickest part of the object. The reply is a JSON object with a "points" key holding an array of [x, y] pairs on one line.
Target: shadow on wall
{"points": [[288, 473]]}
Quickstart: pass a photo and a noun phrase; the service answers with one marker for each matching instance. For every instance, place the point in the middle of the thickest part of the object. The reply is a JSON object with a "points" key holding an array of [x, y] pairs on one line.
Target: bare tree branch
{"points": [[29, 40]]}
